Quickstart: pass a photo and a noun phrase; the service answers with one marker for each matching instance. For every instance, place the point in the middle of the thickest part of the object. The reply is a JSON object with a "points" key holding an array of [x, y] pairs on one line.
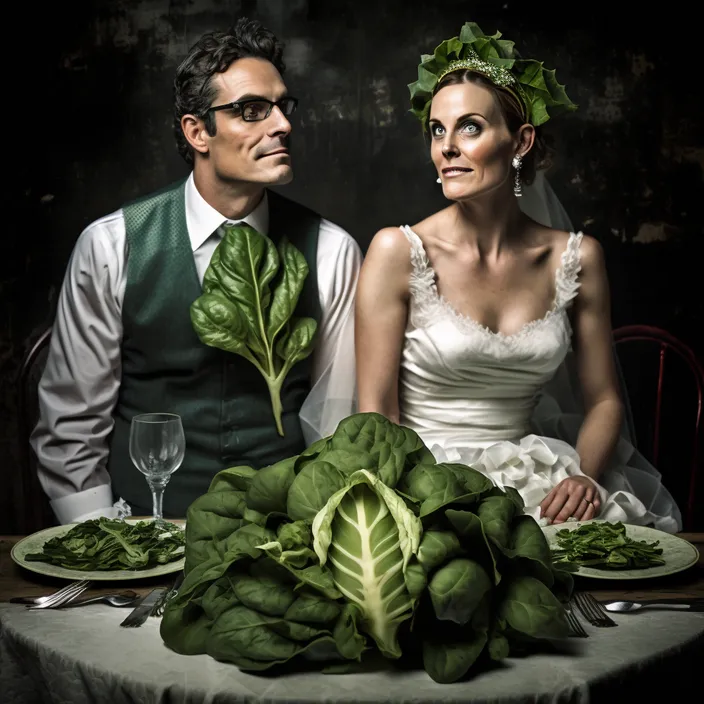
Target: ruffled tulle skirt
{"points": [[631, 489]]}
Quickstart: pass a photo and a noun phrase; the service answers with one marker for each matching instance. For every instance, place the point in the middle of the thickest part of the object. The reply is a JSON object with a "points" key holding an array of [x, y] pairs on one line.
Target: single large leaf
{"points": [[425, 481], [288, 290], [218, 598], [447, 656], [529, 547], [457, 588], [297, 343], [185, 628], [368, 535], [264, 593], [496, 514], [303, 566], [255, 641], [470, 531], [388, 444], [220, 324], [311, 490], [311, 453], [312, 608], [232, 479], [437, 547], [529, 607], [415, 577], [211, 518], [268, 490], [237, 311], [241, 269], [473, 481], [185, 625]]}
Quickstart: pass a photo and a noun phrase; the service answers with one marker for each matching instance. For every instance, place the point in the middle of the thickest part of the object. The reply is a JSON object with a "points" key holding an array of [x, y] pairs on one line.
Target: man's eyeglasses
{"points": [[255, 109]]}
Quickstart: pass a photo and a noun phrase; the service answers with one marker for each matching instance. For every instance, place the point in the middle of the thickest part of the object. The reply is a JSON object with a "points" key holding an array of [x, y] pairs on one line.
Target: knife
{"points": [[141, 612], [168, 595]]}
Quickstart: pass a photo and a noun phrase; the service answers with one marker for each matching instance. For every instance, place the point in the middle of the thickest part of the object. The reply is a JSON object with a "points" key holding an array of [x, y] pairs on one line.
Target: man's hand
{"points": [[575, 497]]}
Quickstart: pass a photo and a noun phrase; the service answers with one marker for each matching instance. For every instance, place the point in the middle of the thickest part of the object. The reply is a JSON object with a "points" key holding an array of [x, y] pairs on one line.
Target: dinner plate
{"points": [[35, 543], [678, 553]]}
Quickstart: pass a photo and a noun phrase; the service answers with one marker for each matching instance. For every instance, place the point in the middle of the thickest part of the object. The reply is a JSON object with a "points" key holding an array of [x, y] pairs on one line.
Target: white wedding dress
{"points": [[478, 398]]}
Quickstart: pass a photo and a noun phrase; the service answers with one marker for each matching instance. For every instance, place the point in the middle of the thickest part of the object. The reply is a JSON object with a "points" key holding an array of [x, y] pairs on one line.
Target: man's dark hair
{"points": [[213, 53]]}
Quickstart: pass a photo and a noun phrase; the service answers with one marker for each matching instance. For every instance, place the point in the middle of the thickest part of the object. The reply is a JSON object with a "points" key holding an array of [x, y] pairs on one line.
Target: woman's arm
{"points": [[592, 343], [381, 311], [593, 347]]}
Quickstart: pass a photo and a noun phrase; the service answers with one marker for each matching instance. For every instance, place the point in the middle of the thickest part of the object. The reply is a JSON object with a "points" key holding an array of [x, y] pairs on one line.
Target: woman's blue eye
{"points": [[467, 125], [435, 130]]}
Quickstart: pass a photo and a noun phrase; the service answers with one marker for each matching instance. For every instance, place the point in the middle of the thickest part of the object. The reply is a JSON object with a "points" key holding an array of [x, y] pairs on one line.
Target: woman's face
{"points": [[471, 145]]}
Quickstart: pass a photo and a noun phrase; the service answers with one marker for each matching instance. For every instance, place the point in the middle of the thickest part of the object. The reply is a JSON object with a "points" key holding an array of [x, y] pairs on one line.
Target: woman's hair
{"points": [[213, 53], [539, 155]]}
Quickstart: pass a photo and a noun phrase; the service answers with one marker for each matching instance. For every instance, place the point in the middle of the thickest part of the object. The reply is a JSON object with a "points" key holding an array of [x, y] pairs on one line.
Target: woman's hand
{"points": [[575, 497]]}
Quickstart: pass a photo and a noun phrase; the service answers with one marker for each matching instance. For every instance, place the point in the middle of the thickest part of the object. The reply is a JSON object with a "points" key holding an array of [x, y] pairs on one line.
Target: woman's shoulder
{"points": [[390, 240], [402, 239], [391, 251], [563, 243]]}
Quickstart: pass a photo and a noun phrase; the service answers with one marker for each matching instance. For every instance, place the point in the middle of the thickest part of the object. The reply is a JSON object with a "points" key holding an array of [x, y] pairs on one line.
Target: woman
{"points": [[463, 319]]}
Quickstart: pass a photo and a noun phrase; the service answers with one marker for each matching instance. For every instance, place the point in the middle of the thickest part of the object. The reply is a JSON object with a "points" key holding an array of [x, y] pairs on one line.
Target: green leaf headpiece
{"points": [[535, 88]]}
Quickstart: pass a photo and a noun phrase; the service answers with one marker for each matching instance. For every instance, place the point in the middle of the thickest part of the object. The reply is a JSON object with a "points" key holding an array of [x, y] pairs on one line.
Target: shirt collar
{"points": [[202, 219]]}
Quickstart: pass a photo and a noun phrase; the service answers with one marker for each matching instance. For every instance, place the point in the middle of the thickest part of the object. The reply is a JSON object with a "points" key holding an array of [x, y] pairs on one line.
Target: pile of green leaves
{"points": [[363, 543], [250, 291], [606, 546], [108, 544]]}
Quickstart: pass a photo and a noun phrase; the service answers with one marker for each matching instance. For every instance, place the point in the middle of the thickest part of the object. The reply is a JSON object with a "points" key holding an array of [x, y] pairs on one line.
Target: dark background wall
{"points": [[87, 117]]}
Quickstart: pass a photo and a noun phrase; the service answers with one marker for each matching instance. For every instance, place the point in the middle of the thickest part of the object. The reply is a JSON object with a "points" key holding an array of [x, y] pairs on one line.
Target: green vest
{"points": [[222, 399]]}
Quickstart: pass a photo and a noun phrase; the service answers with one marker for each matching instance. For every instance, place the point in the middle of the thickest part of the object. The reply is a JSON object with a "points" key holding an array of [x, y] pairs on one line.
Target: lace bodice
{"points": [[457, 376]]}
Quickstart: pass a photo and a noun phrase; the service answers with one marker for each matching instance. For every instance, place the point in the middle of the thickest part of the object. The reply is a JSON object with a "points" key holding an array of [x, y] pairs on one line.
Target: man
{"points": [[123, 342]]}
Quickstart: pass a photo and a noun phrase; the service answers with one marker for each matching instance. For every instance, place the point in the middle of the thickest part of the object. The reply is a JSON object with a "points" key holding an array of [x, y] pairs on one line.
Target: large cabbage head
{"points": [[368, 536]]}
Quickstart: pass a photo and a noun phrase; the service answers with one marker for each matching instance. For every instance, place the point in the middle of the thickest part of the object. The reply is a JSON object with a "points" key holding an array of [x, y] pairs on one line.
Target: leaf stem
{"points": [[275, 393]]}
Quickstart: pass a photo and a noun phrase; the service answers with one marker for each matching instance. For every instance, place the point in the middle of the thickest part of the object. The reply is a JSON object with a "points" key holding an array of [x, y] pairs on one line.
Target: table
{"points": [[84, 656]]}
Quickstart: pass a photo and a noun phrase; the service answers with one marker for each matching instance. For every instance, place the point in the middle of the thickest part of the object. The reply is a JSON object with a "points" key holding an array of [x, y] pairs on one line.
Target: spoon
{"points": [[675, 605]]}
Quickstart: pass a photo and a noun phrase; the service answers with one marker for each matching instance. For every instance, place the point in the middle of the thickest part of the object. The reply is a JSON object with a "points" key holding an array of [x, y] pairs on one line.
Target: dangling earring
{"points": [[516, 163], [439, 180]]}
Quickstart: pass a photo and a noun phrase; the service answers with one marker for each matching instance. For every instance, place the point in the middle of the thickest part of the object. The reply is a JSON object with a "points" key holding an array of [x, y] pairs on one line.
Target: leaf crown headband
{"points": [[536, 88]]}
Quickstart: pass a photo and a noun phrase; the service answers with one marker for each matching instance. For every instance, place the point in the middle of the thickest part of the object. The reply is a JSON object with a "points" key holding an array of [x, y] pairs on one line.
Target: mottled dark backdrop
{"points": [[87, 115]]}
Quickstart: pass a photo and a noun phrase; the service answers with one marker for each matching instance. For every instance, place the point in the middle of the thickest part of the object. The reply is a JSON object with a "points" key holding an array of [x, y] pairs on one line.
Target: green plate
{"points": [[678, 553], [35, 543]]}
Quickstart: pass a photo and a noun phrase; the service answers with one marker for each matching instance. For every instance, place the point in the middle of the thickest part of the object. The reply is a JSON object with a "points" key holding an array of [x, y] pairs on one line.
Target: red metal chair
{"points": [[31, 503], [667, 344]]}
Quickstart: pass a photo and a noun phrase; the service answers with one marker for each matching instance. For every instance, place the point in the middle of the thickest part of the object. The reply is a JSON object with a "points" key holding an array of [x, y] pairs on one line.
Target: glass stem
{"points": [[157, 486]]}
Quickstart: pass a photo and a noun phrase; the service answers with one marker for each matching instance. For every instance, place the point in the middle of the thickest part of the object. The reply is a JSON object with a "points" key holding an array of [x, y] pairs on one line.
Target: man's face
{"points": [[249, 151]]}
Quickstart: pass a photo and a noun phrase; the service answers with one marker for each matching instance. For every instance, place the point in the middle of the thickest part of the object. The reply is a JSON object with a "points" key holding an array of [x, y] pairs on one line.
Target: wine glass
{"points": [[157, 447]]}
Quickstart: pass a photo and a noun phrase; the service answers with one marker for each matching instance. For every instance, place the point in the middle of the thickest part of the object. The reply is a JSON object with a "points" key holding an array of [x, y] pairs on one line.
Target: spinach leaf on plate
{"points": [[108, 544], [605, 545]]}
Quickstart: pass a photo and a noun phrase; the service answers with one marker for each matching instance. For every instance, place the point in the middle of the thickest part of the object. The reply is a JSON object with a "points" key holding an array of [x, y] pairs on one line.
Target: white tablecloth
{"points": [[82, 655]]}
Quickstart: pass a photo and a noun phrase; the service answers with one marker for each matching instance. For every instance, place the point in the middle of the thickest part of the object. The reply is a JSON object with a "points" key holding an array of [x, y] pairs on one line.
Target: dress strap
{"points": [[419, 258], [566, 277], [422, 280]]}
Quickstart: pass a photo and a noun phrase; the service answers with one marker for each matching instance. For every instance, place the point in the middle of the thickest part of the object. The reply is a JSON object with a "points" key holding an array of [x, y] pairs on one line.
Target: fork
{"points": [[63, 596], [574, 624], [34, 600], [593, 610]]}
